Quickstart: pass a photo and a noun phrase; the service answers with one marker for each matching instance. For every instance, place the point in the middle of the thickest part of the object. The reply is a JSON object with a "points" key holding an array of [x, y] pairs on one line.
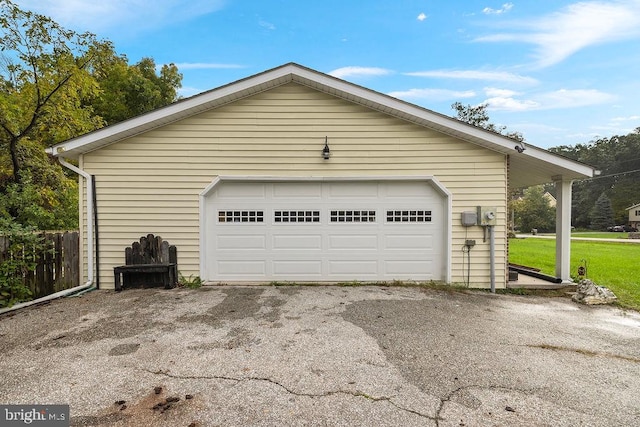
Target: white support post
{"points": [[563, 229]]}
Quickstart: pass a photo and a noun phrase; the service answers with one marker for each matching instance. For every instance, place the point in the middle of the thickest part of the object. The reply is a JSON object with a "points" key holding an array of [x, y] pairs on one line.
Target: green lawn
{"points": [[600, 235], [611, 264]]}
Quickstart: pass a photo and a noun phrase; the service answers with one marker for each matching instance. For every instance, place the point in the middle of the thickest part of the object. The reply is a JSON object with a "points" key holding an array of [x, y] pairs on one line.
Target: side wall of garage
{"points": [[151, 183]]}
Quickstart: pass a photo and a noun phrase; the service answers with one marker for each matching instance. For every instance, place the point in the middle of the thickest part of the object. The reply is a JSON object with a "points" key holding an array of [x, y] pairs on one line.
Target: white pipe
{"points": [[59, 294]]}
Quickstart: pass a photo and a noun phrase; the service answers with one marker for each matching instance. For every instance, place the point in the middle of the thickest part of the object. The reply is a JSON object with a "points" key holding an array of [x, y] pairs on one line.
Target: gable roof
{"points": [[633, 207], [530, 167]]}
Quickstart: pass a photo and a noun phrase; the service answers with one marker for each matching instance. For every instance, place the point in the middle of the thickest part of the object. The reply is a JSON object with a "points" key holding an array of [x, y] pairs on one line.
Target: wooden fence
{"points": [[57, 266]]}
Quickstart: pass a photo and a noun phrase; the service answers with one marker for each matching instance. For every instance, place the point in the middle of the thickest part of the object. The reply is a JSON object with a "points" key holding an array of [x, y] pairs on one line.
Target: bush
{"points": [[18, 245]]}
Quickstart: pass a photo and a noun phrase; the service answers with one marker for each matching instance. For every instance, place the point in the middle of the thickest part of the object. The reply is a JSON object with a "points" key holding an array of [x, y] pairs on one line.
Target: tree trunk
{"points": [[13, 150]]}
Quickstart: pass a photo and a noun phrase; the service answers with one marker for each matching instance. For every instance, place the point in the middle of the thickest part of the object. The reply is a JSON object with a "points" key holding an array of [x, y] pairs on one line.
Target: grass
{"points": [[609, 264], [600, 235]]}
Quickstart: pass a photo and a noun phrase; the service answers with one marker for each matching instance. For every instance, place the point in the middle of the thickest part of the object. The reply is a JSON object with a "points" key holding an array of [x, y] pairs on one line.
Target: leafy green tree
{"points": [[130, 90], [44, 81], [602, 213], [533, 210], [56, 84], [44, 85], [478, 116], [618, 159]]}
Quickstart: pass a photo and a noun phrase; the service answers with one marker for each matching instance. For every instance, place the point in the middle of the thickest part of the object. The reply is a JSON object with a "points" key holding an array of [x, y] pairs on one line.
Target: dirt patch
{"points": [[156, 408]]}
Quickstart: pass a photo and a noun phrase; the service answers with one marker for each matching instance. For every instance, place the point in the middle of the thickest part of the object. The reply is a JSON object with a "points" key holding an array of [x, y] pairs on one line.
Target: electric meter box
{"points": [[487, 215], [469, 218]]}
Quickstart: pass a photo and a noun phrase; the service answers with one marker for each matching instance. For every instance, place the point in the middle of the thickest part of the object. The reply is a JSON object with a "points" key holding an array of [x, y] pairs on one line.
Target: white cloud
{"points": [[432, 94], [422, 17], [560, 99], [95, 16], [575, 27], [475, 75], [510, 104], [205, 66], [626, 119], [187, 91], [353, 71], [267, 25], [566, 98], [505, 8], [492, 91]]}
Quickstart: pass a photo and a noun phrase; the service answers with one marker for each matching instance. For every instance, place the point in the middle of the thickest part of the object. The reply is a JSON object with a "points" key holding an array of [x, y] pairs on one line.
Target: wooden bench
{"points": [[148, 263]]}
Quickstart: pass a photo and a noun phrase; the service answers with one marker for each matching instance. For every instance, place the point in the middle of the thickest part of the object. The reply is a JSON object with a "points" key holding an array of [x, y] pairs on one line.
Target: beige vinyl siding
{"points": [[151, 183]]}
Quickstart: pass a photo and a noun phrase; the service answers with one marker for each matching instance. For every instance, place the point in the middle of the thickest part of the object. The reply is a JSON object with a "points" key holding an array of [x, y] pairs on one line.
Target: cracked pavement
{"points": [[323, 356]]}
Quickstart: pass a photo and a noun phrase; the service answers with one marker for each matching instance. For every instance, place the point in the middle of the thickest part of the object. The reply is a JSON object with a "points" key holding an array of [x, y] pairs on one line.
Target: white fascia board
{"points": [[548, 157]]}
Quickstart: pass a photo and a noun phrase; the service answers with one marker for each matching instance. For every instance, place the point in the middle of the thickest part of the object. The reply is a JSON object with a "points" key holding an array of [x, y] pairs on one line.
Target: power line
{"points": [[613, 174]]}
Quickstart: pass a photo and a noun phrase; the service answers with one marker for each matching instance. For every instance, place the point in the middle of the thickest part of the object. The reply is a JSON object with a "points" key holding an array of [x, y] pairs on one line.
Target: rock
{"points": [[589, 293]]}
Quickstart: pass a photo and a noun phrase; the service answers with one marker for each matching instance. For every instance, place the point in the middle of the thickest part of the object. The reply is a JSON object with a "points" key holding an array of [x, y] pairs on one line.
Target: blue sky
{"points": [[560, 72]]}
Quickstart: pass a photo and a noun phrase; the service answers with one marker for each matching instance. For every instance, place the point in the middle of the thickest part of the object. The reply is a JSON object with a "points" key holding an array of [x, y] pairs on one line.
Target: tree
{"points": [[479, 117], [131, 90], [602, 213], [55, 84], [44, 81], [618, 159], [534, 211]]}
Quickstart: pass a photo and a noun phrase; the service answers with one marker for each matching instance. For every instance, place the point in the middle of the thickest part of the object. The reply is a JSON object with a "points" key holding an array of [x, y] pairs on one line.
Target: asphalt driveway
{"points": [[323, 356]]}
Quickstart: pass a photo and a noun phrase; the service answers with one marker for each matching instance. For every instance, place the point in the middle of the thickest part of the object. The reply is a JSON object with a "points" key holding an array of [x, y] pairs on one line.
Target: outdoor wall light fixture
{"points": [[326, 153]]}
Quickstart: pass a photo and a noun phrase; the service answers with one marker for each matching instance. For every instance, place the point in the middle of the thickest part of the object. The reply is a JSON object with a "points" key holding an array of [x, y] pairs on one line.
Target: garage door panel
{"points": [[346, 269], [352, 190], [299, 269], [297, 242], [409, 242], [242, 268], [408, 268], [408, 190], [353, 241], [324, 231], [239, 190], [285, 191], [240, 242]]}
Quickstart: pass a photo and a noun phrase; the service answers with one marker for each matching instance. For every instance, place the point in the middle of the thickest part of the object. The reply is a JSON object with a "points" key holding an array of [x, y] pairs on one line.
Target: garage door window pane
{"points": [[408, 216], [240, 216], [353, 216], [296, 216]]}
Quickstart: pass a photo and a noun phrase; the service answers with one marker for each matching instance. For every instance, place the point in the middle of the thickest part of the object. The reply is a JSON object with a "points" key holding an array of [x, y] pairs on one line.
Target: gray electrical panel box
{"points": [[469, 218], [487, 215]]}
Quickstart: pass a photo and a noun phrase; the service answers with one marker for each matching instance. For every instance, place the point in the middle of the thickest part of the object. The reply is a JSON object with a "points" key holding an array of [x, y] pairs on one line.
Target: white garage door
{"points": [[324, 231]]}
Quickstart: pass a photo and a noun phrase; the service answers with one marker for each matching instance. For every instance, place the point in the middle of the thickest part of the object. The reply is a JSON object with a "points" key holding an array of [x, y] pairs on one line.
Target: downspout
{"points": [[492, 258], [88, 286], [96, 233]]}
